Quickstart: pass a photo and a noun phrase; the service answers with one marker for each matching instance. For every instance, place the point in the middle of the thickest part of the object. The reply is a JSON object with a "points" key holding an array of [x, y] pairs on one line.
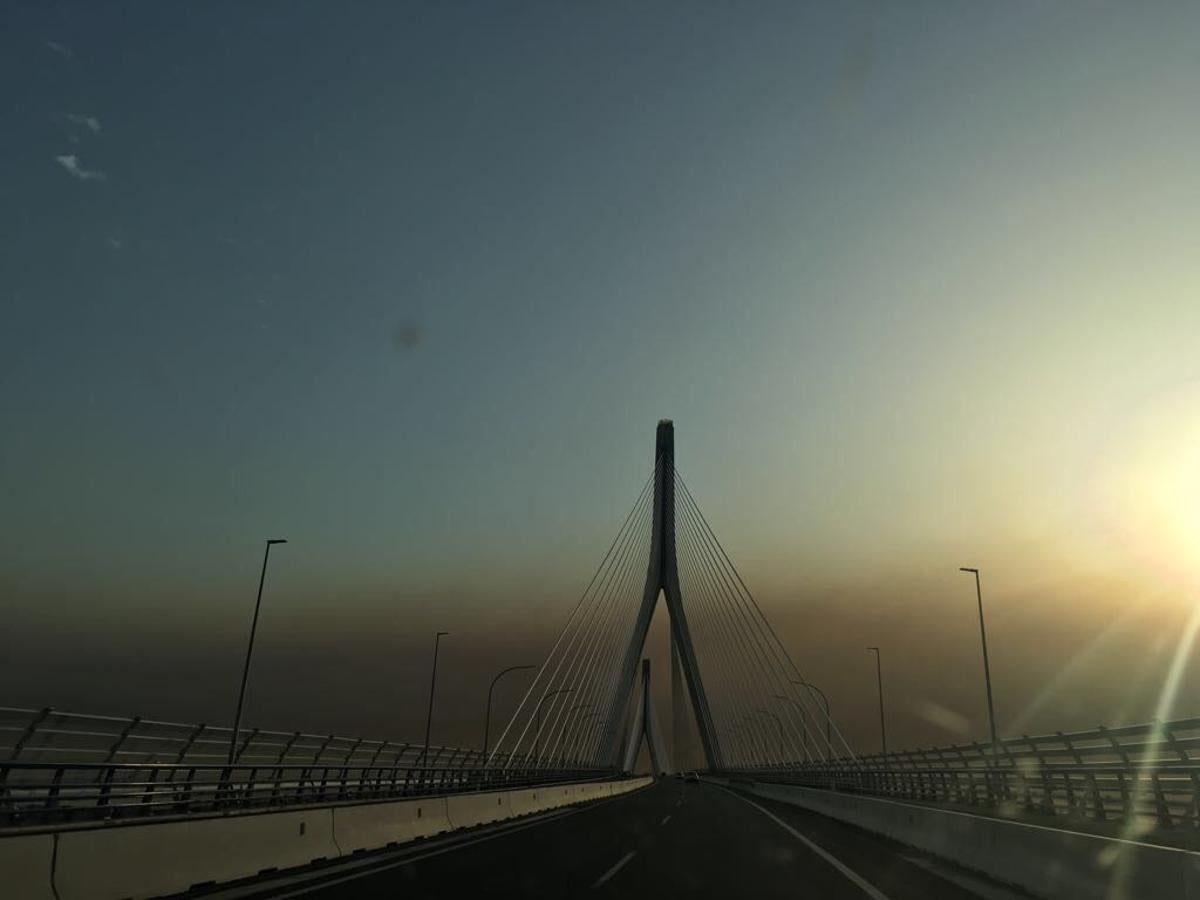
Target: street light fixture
{"points": [[879, 676], [437, 640], [487, 717], [987, 671], [825, 703], [237, 717], [803, 718]]}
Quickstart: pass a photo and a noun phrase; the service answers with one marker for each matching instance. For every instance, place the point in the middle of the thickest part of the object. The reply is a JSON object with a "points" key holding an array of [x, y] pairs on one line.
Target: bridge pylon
{"points": [[662, 577], [645, 727]]}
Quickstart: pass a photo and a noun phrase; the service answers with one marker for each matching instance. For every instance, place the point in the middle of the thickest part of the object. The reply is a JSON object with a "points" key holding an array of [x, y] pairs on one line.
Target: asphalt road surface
{"points": [[673, 839]]}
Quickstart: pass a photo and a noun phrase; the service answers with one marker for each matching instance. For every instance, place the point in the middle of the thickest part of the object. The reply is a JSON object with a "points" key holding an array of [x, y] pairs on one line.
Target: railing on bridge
{"points": [[40, 735], [60, 767], [1148, 772]]}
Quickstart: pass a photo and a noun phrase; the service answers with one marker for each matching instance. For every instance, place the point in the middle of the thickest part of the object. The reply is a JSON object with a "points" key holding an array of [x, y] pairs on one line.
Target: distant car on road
{"points": [[693, 777]]}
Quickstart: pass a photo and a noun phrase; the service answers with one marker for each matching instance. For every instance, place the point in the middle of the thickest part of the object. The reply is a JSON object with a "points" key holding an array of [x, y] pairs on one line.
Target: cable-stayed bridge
{"points": [[769, 799]]}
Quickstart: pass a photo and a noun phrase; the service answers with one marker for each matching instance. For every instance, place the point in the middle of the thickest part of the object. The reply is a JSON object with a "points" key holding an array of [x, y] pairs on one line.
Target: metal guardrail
{"points": [[61, 767], [50, 735], [50, 793], [1148, 772]]}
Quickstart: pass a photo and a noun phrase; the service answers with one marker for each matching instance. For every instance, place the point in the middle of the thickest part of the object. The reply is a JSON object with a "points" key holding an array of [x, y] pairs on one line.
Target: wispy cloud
{"points": [[89, 122], [70, 162], [61, 49]]}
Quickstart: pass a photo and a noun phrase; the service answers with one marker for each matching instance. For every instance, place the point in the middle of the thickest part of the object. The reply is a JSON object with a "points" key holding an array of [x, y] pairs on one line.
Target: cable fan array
{"points": [[563, 718], [765, 712]]}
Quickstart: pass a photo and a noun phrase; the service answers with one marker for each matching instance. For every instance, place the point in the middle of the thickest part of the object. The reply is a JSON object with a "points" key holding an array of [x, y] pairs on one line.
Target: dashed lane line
{"points": [[614, 870]]}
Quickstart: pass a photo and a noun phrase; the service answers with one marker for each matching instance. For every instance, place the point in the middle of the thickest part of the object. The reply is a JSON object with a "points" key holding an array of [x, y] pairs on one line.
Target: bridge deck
{"points": [[672, 839]]}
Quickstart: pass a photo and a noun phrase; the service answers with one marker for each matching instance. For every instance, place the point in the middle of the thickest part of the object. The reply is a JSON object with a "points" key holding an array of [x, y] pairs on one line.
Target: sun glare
{"points": [[1149, 490]]}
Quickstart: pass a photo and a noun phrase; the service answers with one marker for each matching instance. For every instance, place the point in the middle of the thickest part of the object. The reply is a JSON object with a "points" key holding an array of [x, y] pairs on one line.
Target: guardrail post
{"points": [[1047, 800], [187, 790], [102, 800], [151, 787], [1194, 805], [1162, 811], [27, 735], [189, 741], [116, 745], [52, 794]]}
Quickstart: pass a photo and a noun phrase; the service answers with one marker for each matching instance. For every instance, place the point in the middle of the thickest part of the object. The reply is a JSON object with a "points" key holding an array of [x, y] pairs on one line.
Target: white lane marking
{"points": [[666, 819], [614, 870], [867, 888]]}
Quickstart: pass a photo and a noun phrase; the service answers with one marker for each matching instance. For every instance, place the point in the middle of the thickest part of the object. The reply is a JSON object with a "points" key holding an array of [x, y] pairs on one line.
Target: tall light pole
{"points": [[432, 682], [825, 703], [487, 716], [987, 671], [237, 717], [879, 676], [538, 712], [803, 719]]}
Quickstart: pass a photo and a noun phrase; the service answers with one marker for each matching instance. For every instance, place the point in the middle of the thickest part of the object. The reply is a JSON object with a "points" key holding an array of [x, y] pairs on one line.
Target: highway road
{"points": [[673, 839]]}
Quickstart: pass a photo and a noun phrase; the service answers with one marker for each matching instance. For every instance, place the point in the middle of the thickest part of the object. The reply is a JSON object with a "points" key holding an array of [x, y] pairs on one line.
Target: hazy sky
{"points": [[410, 285]]}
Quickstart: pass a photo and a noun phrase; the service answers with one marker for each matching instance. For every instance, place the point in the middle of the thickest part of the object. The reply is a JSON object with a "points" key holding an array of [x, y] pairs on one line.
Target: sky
{"points": [[411, 284]]}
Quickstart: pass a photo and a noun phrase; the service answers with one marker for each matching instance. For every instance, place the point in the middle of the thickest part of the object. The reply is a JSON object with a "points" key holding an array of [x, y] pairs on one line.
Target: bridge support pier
{"points": [[645, 726]]}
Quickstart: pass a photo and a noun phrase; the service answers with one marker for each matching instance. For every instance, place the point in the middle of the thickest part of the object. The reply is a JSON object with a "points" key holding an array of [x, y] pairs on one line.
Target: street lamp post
{"points": [[879, 676], [825, 703], [987, 671], [237, 717], [803, 720], [487, 717], [437, 640], [537, 733]]}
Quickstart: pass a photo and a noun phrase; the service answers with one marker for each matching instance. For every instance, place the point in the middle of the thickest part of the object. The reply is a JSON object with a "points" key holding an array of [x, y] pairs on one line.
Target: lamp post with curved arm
{"points": [[825, 703], [487, 718], [803, 719]]}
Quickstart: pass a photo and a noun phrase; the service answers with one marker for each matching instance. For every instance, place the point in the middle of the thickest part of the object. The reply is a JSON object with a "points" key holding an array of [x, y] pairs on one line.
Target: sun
{"points": [[1148, 485]]}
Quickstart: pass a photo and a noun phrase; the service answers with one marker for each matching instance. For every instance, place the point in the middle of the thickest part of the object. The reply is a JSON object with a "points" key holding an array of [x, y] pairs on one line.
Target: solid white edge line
{"points": [[867, 888], [614, 870], [666, 819]]}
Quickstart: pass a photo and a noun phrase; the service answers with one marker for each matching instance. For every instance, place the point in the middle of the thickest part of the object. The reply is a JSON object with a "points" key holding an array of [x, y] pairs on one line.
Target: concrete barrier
{"points": [[469, 810], [163, 858], [1050, 863], [374, 825], [26, 863], [527, 801], [122, 860]]}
